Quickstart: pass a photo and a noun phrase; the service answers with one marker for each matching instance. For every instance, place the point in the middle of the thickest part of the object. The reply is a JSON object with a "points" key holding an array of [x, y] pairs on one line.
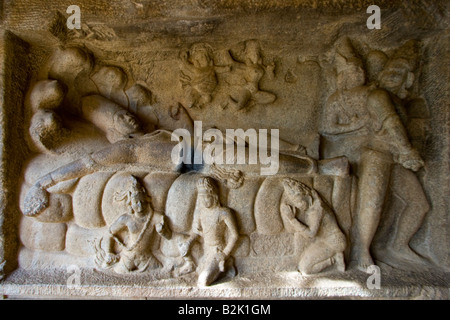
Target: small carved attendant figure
{"points": [[198, 76], [303, 211], [217, 226], [138, 226], [245, 75]]}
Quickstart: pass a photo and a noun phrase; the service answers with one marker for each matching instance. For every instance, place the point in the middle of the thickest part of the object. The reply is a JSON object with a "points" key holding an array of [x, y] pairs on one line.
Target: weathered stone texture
{"points": [[91, 119]]}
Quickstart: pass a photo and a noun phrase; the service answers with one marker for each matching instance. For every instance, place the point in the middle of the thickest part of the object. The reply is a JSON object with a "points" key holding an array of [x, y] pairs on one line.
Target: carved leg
{"points": [[187, 267], [209, 274], [264, 97], [317, 257], [240, 98], [407, 189], [209, 269], [373, 182], [127, 263], [417, 206], [338, 260]]}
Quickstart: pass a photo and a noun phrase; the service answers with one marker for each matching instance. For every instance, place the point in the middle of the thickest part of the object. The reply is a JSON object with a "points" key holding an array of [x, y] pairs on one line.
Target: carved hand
{"points": [[183, 248], [111, 259], [159, 227], [411, 161], [413, 165], [222, 266], [221, 257], [36, 201], [104, 259]]}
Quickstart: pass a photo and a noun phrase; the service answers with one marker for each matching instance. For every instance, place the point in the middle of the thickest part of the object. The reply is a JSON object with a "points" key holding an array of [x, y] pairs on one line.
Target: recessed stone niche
{"points": [[225, 149]]}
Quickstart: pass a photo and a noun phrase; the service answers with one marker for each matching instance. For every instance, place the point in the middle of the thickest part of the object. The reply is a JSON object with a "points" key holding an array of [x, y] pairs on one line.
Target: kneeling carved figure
{"points": [[306, 213]]}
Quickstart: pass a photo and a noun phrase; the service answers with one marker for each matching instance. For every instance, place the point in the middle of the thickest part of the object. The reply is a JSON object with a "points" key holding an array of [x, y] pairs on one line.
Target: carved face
{"points": [[200, 59], [138, 202], [125, 122], [300, 202], [209, 200], [252, 52], [396, 77], [351, 77]]}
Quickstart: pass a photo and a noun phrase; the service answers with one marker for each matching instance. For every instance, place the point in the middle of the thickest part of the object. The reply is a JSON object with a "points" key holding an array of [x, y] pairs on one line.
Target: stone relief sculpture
{"points": [[206, 219], [242, 82], [147, 150], [198, 74], [115, 121], [141, 224], [229, 79], [78, 71], [117, 124], [367, 120], [304, 212], [217, 227], [46, 128], [396, 77]]}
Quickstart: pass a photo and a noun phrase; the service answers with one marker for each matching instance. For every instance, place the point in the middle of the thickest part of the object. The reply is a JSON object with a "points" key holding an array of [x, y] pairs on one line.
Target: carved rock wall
{"points": [[87, 116]]}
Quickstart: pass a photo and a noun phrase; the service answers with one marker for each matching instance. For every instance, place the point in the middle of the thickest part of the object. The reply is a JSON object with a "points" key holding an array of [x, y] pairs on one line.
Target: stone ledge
{"points": [[290, 285]]}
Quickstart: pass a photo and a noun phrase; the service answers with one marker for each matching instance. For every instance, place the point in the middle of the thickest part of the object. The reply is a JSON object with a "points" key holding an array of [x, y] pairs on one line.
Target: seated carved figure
{"points": [[217, 226], [198, 76], [244, 76], [304, 212], [140, 224]]}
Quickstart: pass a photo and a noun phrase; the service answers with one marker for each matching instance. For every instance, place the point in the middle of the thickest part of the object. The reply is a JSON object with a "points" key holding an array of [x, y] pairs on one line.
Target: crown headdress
{"points": [[206, 186]]}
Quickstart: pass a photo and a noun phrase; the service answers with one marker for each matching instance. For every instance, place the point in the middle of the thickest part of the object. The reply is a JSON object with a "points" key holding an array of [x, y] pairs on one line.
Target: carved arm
{"points": [[288, 213], [163, 229], [233, 233]]}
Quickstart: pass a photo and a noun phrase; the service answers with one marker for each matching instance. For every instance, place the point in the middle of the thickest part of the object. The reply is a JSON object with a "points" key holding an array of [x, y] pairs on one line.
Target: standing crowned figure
{"points": [[362, 123]]}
